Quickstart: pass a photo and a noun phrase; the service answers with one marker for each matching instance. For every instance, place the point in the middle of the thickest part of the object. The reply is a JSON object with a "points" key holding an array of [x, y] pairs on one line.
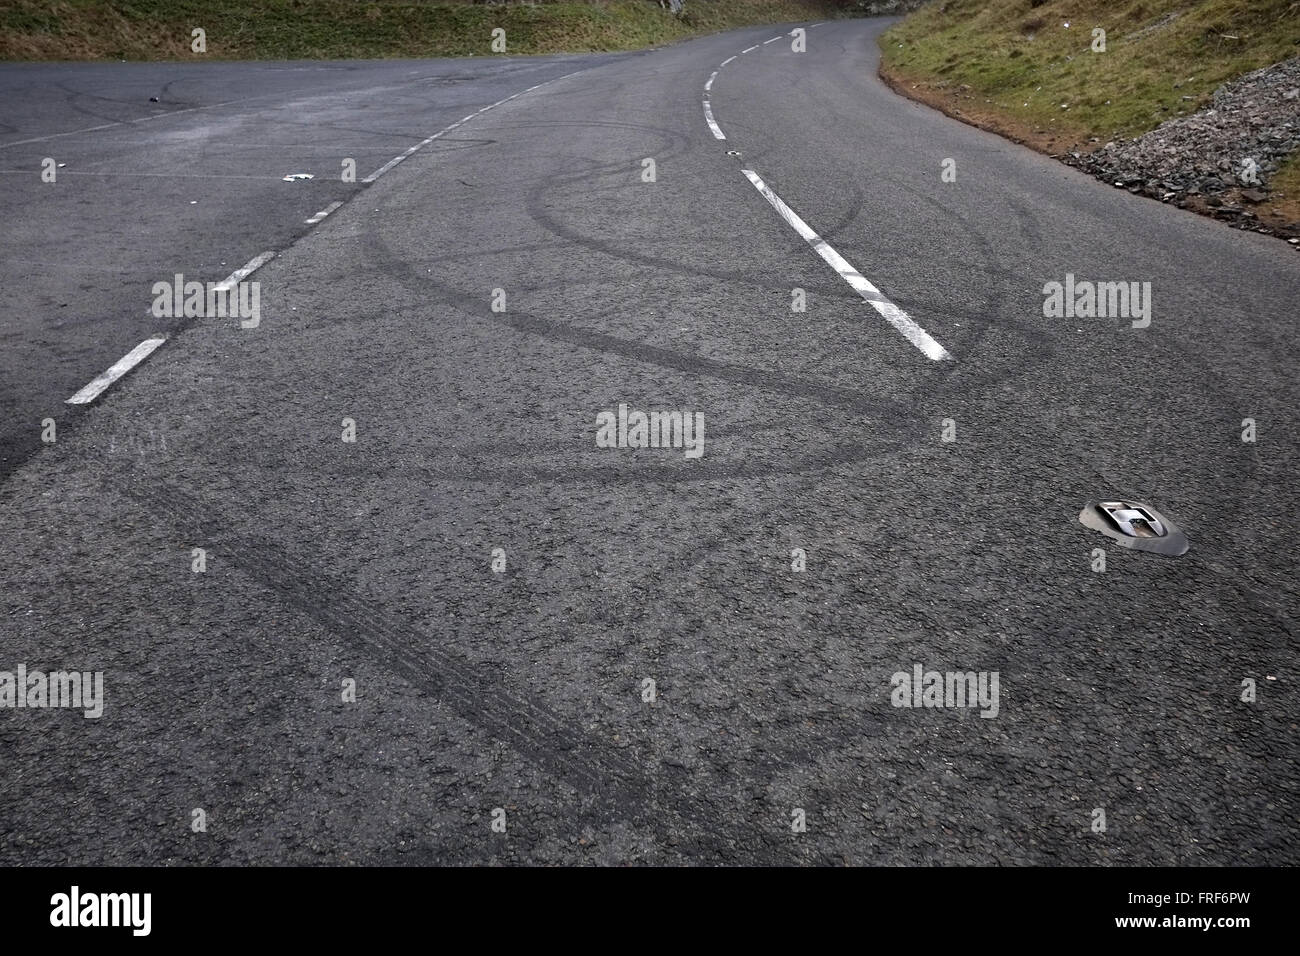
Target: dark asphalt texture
{"points": [[193, 183], [371, 561]]}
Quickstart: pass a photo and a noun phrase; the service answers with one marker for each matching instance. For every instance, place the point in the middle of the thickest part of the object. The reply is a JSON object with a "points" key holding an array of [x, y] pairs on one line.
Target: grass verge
{"points": [[1027, 69], [370, 29]]}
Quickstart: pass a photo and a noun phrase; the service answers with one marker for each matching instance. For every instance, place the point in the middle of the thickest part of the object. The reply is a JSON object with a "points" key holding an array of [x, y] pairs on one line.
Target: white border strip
{"points": [[119, 368], [892, 313]]}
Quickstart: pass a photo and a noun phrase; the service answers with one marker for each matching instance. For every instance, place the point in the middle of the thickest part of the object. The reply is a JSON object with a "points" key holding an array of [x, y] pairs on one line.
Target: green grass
{"points": [[343, 29], [1020, 56], [1285, 185]]}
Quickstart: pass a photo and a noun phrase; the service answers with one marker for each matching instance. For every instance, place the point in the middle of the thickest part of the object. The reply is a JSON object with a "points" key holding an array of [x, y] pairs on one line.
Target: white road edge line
{"points": [[725, 62], [750, 49], [323, 213], [708, 116], [892, 313], [119, 368], [709, 85], [773, 40]]}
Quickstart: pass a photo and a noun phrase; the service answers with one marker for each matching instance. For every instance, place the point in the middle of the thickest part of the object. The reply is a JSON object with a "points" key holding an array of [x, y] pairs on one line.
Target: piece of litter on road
{"points": [[292, 176]]}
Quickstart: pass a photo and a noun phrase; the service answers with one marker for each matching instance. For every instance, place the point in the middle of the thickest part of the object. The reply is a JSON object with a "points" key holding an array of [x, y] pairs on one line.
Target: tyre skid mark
{"points": [[548, 740]]}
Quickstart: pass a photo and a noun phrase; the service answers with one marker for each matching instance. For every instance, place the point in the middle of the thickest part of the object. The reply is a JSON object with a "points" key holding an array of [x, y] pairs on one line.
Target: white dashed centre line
{"points": [[244, 271], [708, 116], [323, 213], [142, 351], [119, 368], [442, 132], [892, 313]]}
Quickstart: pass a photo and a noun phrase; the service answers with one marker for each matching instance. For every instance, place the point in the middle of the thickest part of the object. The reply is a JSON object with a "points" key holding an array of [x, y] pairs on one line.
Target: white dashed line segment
{"points": [[891, 313], [96, 386], [323, 213], [385, 168], [708, 116], [708, 86], [244, 271], [442, 132], [119, 368]]}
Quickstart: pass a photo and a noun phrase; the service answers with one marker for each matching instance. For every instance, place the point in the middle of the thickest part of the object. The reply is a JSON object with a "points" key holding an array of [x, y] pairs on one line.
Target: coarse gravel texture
{"points": [[1220, 158]]}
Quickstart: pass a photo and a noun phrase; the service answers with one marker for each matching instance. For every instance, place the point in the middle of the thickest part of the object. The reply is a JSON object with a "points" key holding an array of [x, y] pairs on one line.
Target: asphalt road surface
{"points": [[501, 589]]}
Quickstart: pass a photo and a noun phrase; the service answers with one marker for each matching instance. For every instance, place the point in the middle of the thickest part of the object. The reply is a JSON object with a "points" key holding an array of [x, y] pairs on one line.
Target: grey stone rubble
{"points": [[1200, 161]]}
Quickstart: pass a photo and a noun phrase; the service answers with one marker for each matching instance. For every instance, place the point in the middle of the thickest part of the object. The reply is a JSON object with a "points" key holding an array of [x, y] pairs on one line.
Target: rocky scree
{"points": [[1199, 161]]}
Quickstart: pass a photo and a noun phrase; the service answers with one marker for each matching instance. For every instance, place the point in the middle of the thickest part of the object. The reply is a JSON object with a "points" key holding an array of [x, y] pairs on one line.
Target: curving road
{"points": [[473, 311]]}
